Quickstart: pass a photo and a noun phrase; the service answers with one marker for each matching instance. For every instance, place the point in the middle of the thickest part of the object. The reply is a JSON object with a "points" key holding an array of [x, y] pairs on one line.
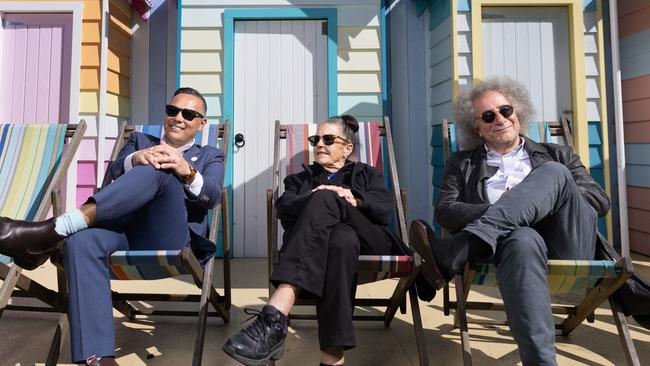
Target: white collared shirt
{"points": [[513, 166], [194, 187]]}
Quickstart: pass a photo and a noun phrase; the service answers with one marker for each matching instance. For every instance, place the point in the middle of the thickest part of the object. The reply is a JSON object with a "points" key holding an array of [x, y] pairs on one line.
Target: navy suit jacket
{"points": [[209, 162]]}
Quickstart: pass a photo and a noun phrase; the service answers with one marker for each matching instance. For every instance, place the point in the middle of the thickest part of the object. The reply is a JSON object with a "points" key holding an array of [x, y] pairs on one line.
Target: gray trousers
{"points": [[543, 217]]}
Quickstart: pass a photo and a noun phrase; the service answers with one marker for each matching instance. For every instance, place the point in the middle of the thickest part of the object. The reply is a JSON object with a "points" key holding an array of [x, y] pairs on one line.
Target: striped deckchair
{"points": [[158, 264], [291, 150], [34, 159], [596, 279]]}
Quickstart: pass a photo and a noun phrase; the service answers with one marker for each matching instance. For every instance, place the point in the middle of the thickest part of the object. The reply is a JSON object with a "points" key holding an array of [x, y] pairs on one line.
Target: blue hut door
{"points": [[280, 74], [531, 45]]}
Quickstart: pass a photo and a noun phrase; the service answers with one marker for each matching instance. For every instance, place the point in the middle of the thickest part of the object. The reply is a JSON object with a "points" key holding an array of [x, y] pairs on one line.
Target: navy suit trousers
{"points": [[143, 209]]}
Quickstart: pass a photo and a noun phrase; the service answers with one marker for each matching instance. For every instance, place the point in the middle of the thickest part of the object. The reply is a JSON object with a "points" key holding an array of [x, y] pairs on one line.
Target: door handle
{"points": [[239, 140]]}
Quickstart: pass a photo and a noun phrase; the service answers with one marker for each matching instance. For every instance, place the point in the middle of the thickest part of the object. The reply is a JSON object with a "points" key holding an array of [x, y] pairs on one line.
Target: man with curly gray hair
{"points": [[515, 203]]}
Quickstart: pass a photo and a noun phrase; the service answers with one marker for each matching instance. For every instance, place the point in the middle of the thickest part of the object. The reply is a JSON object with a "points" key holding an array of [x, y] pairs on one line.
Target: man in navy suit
{"points": [[159, 199]]}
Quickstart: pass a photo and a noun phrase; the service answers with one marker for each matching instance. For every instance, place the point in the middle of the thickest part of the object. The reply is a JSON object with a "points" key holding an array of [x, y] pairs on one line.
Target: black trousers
{"points": [[320, 256]]}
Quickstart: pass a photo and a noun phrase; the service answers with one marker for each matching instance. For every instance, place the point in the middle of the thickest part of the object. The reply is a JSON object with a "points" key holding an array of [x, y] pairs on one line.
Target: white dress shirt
{"points": [[194, 187], [513, 167]]}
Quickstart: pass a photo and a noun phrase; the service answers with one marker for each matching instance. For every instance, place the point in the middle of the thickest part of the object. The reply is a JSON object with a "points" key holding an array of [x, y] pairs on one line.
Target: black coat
{"points": [[366, 184], [463, 197]]}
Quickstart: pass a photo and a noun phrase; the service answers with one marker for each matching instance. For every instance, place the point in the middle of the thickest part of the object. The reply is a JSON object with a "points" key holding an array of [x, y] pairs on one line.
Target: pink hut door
{"points": [[35, 71]]}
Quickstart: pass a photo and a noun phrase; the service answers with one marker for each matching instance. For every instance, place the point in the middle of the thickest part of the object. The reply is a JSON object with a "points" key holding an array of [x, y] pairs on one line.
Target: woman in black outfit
{"points": [[333, 211]]}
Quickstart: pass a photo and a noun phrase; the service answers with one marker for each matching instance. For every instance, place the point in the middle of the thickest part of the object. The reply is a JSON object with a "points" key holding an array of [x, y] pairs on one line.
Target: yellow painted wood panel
{"points": [[118, 84], [200, 62], [359, 60], [92, 10], [88, 102], [119, 63], [359, 82], [122, 6], [358, 38], [119, 24], [201, 39], [90, 55], [117, 106], [90, 32], [118, 41], [204, 83], [89, 78]]}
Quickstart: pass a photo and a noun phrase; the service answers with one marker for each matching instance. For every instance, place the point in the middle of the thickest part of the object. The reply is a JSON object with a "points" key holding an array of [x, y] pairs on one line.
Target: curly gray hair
{"points": [[466, 119]]}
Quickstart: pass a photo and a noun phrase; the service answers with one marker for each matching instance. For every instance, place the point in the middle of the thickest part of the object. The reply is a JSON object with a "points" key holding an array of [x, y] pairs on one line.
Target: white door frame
{"points": [[74, 7]]}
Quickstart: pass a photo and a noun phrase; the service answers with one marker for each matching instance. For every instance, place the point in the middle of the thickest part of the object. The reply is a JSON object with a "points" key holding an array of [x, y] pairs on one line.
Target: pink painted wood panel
{"points": [[83, 192], [636, 110], [635, 22], [640, 242], [35, 75], [627, 7], [639, 220], [637, 132], [88, 149], [636, 88], [639, 197], [86, 173]]}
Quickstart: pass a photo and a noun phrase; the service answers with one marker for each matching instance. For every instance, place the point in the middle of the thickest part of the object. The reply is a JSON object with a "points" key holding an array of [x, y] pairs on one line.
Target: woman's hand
{"points": [[344, 193]]}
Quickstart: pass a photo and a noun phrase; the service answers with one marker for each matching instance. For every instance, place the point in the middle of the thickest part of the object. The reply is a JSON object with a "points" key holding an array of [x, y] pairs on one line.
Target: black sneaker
{"points": [[262, 340]]}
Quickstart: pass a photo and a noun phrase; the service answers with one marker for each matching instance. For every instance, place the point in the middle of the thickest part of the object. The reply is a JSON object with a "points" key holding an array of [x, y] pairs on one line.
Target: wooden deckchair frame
{"points": [[406, 283], [17, 284], [575, 314], [202, 276]]}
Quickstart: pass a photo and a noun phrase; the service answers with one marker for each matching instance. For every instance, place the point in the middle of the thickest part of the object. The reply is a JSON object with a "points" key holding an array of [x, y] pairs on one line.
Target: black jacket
{"points": [[463, 197], [365, 182]]}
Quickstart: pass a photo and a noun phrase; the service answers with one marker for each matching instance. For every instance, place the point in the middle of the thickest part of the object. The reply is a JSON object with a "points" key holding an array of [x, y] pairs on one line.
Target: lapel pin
{"points": [[194, 158]]}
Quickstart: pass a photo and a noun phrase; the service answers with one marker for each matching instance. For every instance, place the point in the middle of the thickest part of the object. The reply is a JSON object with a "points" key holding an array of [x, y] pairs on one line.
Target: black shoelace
{"points": [[257, 328]]}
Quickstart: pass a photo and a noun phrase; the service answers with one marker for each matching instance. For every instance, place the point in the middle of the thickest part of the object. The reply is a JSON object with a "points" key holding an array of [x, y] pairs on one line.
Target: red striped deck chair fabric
{"points": [[375, 148], [158, 264], [34, 159], [596, 280]]}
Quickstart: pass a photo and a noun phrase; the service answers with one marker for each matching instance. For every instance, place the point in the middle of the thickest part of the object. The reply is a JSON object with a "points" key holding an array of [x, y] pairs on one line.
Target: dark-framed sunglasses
{"points": [[327, 139], [187, 114], [505, 110]]}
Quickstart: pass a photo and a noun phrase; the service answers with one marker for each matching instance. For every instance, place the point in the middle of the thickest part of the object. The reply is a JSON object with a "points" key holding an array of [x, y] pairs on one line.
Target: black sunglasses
{"points": [[504, 110], [187, 114], [327, 139]]}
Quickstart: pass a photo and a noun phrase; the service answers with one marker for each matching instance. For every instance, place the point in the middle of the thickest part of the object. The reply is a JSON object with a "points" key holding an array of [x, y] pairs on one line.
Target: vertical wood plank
{"points": [[18, 85], [9, 37], [55, 99], [44, 71], [31, 77]]}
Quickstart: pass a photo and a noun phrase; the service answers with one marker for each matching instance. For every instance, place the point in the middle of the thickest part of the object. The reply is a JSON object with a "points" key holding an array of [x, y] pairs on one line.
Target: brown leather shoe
{"points": [[29, 243]]}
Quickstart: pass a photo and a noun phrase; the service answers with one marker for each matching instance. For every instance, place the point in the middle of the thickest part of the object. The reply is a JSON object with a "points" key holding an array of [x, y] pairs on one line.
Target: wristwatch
{"points": [[188, 179]]}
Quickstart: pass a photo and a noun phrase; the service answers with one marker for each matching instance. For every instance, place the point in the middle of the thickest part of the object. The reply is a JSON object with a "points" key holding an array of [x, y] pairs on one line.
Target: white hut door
{"points": [[280, 74], [531, 45]]}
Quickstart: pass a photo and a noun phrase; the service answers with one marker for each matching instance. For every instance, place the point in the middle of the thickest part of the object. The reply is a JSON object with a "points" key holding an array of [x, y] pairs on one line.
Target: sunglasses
{"points": [[327, 139], [504, 110], [187, 114]]}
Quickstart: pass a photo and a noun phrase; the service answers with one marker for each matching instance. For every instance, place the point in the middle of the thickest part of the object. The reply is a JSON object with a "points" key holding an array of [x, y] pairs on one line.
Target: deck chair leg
{"points": [[226, 248], [8, 284], [624, 333], [60, 335], [466, 280], [461, 315], [398, 296], [417, 324], [203, 313]]}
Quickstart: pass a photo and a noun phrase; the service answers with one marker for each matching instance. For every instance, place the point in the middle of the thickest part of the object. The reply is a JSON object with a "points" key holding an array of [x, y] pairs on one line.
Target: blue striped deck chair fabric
{"points": [[598, 279], [375, 148], [34, 159], [159, 264]]}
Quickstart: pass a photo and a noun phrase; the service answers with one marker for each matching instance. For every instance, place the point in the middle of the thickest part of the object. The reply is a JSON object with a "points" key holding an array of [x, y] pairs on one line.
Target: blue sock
{"points": [[70, 222]]}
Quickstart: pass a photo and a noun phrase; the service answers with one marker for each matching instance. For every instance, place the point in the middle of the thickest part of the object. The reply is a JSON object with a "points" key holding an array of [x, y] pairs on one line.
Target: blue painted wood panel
{"points": [[637, 154], [635, 55], [638, 175]]}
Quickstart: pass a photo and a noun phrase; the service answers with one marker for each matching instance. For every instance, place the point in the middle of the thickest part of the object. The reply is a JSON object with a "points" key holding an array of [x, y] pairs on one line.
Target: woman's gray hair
{"points": [[349, 125], [514, 91]]}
